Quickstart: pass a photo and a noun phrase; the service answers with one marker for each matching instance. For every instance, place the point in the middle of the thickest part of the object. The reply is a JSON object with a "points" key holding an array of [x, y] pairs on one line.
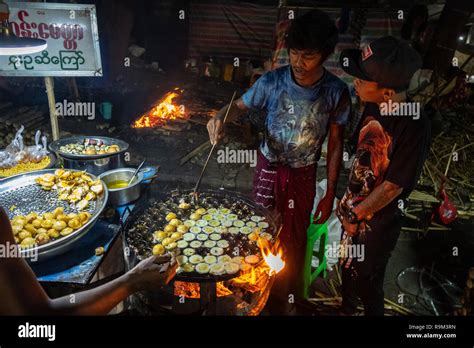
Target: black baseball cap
{"points": [[388, 61]]}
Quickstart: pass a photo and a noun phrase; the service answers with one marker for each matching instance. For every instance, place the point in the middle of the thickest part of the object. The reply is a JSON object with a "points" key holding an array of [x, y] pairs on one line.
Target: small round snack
{"points": [[24, 234], [195, 217], [160, 235], [263, 224], [239, 223], [233, 230], [238, 259], [182, 228], [175, 222], [207, 217], [52, 233], [245, 230], [215, 237], [212, 211], [210, 259], [251, 224], [195, 259], [184, 205], [202, 237], [214, 223], [202, 268], [189, 237], [201, 223], [195, 229], [195, 244], [221, 229], [187, 267], [223, 244], [216, 251], [48, 223], [182, 244], [176, 236], [209, 244], [189, 223], [66, 232], [170, 228], [266, 236], [42, 238], [28, 242], [252, 259], [225, 258], [189, 252], [200, 211], [170, 216], [208, 229], [158, 249], [166, 241], [232, 217], [256, 218], [217, 269], [171, 246], [227, 223], [224, 211], [182, 259], [231, 268]]}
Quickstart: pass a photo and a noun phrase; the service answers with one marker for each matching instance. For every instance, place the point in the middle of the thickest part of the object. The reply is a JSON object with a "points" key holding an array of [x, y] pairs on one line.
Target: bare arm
{"points": [[380, 197], [22, 294], [215, 126], [334, 158]]}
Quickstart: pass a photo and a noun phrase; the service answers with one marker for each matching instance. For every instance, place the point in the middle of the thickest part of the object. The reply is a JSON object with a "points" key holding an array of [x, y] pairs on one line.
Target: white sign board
{"points": [[71, 33]]}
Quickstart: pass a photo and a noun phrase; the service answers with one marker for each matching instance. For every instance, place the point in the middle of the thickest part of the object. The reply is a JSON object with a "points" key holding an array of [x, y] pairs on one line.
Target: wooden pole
{"points": [[48, 81]]}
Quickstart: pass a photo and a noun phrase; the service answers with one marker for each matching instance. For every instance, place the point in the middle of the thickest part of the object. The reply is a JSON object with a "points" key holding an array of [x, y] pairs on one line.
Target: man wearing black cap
{"points": [[392, 145]]}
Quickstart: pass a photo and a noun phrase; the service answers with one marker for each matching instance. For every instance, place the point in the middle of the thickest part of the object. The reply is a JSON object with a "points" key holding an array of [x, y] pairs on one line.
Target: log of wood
{"points": [[27, 118], [17, 121], [204, 146], [12, 113]]}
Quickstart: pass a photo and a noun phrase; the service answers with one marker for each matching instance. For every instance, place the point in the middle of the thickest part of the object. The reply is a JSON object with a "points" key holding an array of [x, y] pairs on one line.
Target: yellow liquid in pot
{"points": [[117, 184]]}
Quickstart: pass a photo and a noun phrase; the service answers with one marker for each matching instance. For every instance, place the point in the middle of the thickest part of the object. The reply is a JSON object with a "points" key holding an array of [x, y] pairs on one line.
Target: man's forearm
{"points": [[97, 301], [380, 197], [237, 109]]}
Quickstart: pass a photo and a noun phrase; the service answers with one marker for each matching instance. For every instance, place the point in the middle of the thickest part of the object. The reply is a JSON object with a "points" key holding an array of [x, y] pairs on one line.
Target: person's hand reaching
{"points": [[153, 273]]}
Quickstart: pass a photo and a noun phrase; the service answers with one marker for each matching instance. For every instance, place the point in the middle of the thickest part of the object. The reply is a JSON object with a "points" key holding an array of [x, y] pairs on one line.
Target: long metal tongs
{"points": [[196, 188]]}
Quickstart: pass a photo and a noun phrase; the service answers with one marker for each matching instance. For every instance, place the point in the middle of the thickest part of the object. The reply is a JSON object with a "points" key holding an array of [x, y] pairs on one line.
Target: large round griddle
{"points": [[194, 277]]}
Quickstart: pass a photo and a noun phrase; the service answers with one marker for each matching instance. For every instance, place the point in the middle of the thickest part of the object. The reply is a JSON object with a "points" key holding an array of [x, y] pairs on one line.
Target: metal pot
{"points": [[94, 164], [125, 195]]}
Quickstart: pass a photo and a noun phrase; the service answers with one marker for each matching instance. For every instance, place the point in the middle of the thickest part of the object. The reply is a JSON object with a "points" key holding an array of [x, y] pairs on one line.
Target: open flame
{"points": [[273, 256], [166, 110]]}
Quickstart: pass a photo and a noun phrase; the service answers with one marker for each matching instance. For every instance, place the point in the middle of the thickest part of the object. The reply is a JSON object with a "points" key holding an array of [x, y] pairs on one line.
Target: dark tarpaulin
{"points": [[231, 29]]}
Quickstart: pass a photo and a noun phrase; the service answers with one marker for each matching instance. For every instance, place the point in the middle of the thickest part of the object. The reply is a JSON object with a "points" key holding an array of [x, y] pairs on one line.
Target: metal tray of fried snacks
{"points": [[21, 195]]}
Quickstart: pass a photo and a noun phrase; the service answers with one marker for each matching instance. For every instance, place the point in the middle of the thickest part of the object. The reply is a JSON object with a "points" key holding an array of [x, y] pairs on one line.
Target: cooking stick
{"points": [[212, 149]]}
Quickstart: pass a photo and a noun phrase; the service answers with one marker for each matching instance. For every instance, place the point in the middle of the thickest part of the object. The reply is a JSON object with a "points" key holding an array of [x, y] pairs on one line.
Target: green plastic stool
{"points": [[314, 232]]}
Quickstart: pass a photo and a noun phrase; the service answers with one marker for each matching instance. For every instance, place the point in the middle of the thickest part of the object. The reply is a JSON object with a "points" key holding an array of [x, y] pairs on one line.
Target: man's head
{"points": [[310, 40], [382, 69]]}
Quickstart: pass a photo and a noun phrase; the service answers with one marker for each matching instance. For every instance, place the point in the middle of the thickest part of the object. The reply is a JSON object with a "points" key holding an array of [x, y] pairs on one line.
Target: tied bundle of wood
{"points": [[11, 118]]}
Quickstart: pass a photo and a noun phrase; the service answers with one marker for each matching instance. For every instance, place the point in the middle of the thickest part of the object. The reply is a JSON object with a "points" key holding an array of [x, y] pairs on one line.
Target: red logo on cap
{"points": [[366, 52]]}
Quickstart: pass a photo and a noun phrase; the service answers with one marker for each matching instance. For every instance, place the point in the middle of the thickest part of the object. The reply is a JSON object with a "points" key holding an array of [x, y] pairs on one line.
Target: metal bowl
{"points": [[94, 164], [56, 145], [20, 195], [125, 195]]}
